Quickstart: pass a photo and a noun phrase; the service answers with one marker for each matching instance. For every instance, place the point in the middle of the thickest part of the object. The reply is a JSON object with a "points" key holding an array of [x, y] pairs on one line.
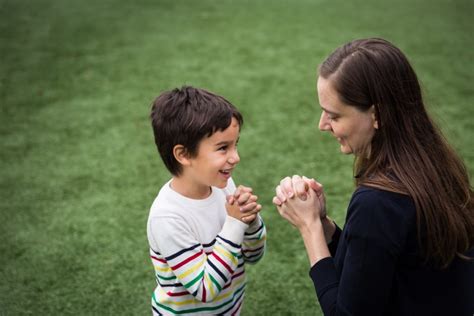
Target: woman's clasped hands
{"points": [[301, 202]]}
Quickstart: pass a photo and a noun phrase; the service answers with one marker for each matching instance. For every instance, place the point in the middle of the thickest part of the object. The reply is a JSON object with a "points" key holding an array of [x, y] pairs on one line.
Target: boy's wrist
{"points": [[255, 223], [233, 230]]}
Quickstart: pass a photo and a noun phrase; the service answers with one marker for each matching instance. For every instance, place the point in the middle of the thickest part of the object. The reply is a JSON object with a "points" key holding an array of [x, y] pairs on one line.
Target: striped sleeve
{"points": [[253, 246], [202, 274]]}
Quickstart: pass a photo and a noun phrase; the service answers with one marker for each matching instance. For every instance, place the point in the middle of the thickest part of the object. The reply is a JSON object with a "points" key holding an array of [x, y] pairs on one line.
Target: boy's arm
{"points": [[253, 246], [202, 274]]}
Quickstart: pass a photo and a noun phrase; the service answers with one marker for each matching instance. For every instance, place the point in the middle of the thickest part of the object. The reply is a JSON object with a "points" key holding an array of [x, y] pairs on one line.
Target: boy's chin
{"points": [[222, 184]]}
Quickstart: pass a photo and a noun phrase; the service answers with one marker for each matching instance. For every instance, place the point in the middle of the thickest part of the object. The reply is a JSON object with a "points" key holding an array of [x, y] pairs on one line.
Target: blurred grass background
{"points": [[79, 169]]}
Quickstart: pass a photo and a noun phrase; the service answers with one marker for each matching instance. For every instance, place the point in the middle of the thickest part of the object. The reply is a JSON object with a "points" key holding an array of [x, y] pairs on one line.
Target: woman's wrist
{"points": [[329, 228], [314, 241], [309, 226]]}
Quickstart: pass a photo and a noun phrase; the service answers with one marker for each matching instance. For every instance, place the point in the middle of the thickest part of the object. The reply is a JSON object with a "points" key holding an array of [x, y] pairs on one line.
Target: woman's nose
{"points": [[323, 122]]}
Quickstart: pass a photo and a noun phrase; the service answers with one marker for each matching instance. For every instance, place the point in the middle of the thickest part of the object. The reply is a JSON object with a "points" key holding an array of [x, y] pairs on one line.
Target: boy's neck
{"points": [[190, 190]]}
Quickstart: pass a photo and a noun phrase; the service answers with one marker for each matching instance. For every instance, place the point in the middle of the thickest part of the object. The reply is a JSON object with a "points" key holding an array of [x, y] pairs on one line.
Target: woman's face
{"points": [[352, 128]]}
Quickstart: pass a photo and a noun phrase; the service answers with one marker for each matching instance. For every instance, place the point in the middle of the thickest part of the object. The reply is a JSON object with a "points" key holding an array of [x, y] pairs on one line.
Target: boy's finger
{"points": [[249, 219], [253, 209], [232, 209], [248, 207], [243, 198], [242, 189]]}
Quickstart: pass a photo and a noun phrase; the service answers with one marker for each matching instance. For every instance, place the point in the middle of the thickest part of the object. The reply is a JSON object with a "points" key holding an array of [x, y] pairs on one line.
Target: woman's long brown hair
{"points": [[408, 153]]}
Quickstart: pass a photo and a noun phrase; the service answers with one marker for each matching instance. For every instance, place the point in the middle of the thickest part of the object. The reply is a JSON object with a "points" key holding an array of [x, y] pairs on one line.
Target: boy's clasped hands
{"points": [[243, 205]]}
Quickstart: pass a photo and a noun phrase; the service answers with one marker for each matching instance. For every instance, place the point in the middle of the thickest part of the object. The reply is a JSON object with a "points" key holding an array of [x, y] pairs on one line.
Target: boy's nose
{"points": [[234, 158]]}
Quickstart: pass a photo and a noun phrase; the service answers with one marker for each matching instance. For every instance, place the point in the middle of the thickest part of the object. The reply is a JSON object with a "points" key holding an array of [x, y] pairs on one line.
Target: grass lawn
{"points": [[78, 166]]}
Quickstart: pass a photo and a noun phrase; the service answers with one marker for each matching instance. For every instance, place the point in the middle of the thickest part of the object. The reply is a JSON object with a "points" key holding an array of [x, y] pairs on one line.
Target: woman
{"points": [[407, 244]]}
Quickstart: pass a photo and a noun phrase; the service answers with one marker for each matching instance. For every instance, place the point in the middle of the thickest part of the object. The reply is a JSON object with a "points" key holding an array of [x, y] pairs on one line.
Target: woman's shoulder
{"points": [[386, 218], [381, 204], [375, 197]]}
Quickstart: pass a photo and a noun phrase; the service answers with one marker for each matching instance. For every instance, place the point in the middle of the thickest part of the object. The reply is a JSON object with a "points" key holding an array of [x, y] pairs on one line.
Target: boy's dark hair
{"points": [[185, 116]]}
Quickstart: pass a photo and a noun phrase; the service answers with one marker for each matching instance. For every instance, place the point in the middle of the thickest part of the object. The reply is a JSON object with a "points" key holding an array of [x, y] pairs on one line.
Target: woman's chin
{"points": [[346, 150]]}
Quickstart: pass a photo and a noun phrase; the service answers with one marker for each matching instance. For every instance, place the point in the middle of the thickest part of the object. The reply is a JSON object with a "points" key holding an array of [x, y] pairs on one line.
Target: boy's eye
{"points": [[222, 148]]}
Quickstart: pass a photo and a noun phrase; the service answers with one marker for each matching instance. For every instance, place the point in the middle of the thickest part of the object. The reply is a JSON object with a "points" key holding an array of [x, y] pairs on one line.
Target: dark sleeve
{"points": [[360, 283], [335, 241]]}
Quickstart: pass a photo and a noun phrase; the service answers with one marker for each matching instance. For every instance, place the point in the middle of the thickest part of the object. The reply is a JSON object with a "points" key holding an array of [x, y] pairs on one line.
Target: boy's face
{"points": [[216, 158]]}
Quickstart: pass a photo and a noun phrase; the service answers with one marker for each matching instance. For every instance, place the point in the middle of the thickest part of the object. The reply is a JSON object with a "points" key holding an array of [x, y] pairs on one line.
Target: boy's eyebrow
{"points": [[226, 142]]}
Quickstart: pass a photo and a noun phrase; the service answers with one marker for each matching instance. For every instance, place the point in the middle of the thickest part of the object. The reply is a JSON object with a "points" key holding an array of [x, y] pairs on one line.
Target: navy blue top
{"points": [[376, 268]]}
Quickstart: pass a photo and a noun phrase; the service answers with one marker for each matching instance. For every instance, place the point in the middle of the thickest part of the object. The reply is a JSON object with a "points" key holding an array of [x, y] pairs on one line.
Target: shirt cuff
{"points": [[233, 230], [324, 277], [255, 225]]}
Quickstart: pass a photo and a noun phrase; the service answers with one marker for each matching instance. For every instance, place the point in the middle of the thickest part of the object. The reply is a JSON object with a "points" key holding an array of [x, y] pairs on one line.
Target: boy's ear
{"points": [[181, 155]]}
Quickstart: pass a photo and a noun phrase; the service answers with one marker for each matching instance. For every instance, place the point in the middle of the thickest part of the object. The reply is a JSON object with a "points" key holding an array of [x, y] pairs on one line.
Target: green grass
{"points": [[78, 165]]}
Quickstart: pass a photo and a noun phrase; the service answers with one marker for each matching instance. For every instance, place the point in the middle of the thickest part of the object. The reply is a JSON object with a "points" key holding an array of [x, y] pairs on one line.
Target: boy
{"points": [[201, 229]]}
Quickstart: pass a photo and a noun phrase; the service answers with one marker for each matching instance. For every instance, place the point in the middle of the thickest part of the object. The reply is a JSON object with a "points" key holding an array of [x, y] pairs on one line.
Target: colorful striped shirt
{"points": [[199, 253]]}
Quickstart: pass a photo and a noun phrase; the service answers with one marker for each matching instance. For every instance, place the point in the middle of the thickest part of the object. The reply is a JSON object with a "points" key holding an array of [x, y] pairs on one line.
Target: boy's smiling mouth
{"points": [[226, 172]]}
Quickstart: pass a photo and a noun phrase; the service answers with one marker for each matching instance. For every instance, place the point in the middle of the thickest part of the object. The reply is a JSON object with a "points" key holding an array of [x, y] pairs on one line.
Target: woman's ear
{"points": [[374, 117], [376, 123], [181, 155]]}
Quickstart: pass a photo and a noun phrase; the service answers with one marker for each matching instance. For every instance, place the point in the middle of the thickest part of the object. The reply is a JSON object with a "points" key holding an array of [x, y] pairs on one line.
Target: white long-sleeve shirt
{"points": [[199, 252]]}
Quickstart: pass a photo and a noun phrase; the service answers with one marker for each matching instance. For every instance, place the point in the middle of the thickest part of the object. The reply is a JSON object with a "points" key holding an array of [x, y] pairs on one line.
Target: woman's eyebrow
{"points": [[327, 111]]}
